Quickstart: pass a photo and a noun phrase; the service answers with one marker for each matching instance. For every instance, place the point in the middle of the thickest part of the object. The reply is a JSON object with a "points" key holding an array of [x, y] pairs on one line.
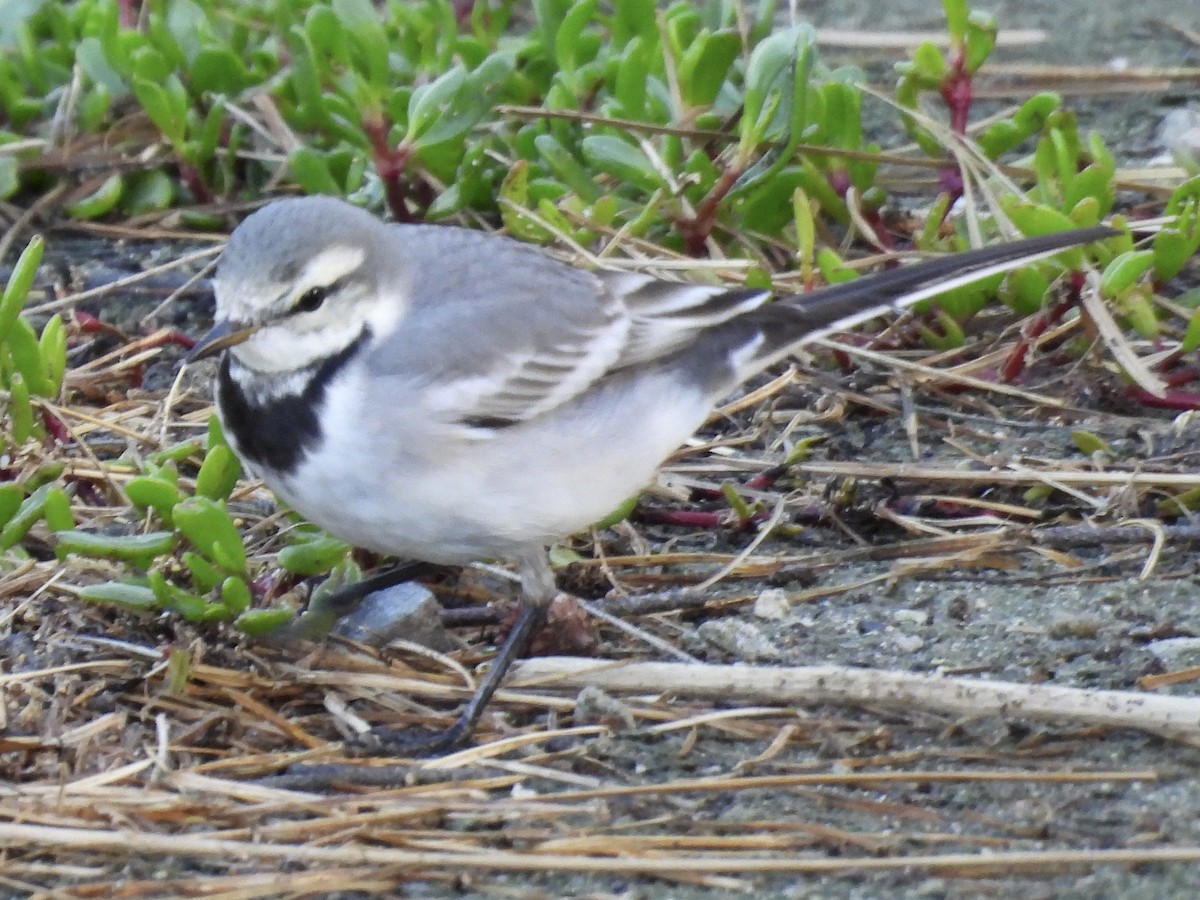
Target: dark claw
{"points": [[413, 742]]}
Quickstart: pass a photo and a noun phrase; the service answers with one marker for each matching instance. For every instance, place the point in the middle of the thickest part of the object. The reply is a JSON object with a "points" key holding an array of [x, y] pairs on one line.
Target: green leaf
{"points": [[704, 68], [314, 556], [189, 26], [1174, 246], [767, 79], [833, 269], [166, 107], [1033, 114], [211, 530], [235, 594], [326, 35], [429, 101], [214, 436], [634, 19], [980, 39], [27, 514], [1137, 307], [367, 38], [101, 201], [1000, 137], [19, 283], [622, 160], [305, 82], [930, 64], [1034, 220], [191, 606], [1093, 183], [179, 452], [27, 358], [632, 81], [259, 622], [94, 62], [956, 19], [1088, 443], [1180, 504], [217, 70], [151, 191], [152, 492], [10, 179], [133, 597], [1121, 274], [806, 232], [1187, 193], [11, 496], [20, 410], [148, 65], [1191, 338], [569, 51], [219, 473], [139, 549], [310, 168], [205, 576], [564, 165], [57, 511], [620, 514], [179, 669], [1024, 290], [514, 198]]}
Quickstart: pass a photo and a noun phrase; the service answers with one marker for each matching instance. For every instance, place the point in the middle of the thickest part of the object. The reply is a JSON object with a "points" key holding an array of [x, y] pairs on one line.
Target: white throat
{"points": [[280, 349]]}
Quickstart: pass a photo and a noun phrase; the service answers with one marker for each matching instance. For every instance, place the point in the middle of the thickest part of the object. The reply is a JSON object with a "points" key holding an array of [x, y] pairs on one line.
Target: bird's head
{"points": [[298, 282]]}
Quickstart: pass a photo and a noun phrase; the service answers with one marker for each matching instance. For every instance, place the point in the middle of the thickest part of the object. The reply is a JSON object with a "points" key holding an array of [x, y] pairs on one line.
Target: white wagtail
{"points": [[445, 395]]}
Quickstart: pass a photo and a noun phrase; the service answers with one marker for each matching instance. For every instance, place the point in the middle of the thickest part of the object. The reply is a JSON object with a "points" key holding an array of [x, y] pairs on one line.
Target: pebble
{"points": [[407, 611], [740, 638], [1072, 626], [772, 604], [595, 707], [908, 643], [1176, 653]]}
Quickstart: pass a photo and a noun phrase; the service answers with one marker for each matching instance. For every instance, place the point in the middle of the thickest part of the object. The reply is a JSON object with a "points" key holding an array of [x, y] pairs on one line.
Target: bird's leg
{"points": [[537, 593]]}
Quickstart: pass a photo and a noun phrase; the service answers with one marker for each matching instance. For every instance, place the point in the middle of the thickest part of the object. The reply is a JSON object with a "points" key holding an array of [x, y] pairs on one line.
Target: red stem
{"points": [[695, 231]]}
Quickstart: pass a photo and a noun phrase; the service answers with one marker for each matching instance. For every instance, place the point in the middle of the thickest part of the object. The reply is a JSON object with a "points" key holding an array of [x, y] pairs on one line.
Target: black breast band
{"points": [[276, 433]]}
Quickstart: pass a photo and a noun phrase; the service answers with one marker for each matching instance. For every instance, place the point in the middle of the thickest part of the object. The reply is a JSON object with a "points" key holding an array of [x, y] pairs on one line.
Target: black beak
{"points": [[222, 336]]}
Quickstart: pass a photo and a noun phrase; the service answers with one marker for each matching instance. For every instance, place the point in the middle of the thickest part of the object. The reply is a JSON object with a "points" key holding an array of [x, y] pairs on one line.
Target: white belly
{"points": [[423, 490]]}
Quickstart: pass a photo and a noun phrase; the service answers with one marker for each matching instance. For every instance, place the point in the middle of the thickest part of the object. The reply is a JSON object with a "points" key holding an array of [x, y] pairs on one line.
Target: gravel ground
{"points": [[1079, 617]]}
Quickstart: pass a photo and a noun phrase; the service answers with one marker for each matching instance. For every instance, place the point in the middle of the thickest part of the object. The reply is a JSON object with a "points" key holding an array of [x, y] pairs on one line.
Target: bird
{"points": [[442, 394]]}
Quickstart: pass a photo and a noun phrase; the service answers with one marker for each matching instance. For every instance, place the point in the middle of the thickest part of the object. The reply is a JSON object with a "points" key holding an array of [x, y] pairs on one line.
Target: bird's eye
{"points": [[311, 299]]}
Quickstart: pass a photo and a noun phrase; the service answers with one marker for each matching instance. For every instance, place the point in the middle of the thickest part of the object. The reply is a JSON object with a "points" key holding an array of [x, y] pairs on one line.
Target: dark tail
{"points": [[757, 339], [845, 305]]}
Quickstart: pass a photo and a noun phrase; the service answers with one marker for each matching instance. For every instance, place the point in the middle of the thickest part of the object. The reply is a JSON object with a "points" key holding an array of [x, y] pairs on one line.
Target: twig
{"points": [[47, 838], [913, 472], [1172, 716]]}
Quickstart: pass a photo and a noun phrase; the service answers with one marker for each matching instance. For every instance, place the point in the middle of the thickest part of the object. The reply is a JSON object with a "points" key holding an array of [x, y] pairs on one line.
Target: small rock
{"points": [[1176, 653], [910, 617], [407, 610], [19, 653], [739, 638], [1180, 134], [772, 604], [958, 608], [594, 707], [908, 643], [1070, 626]]}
